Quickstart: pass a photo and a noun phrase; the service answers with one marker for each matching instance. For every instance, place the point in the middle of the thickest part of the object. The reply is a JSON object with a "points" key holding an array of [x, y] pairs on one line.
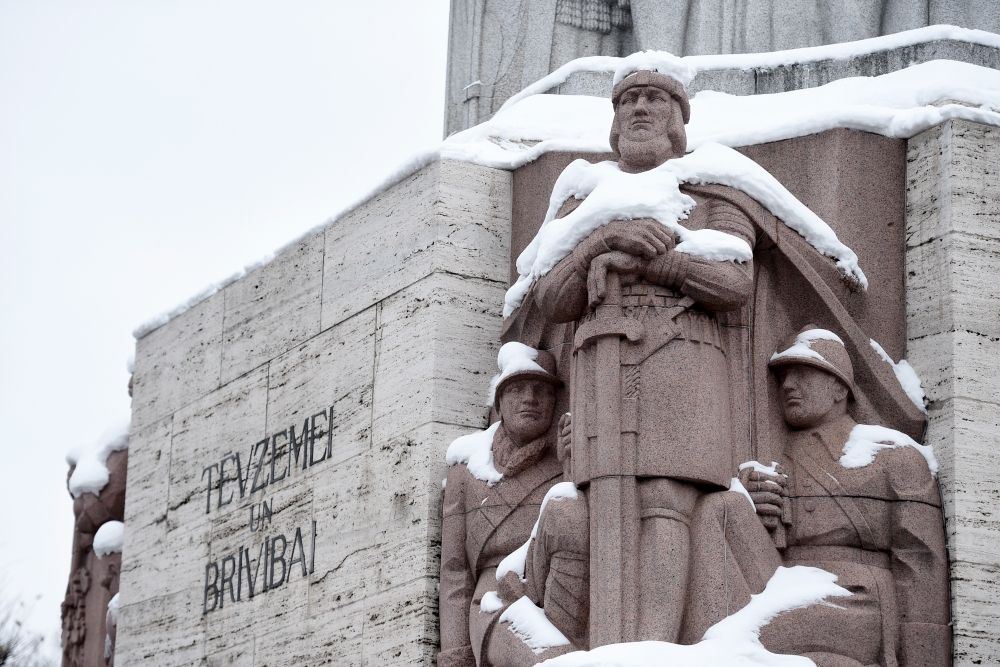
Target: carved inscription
{"points": [[272, 460], [279, 557]]}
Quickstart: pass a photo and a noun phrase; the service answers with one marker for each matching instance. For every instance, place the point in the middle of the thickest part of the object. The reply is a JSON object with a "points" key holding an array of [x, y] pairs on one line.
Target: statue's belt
{"points": [[645, 329]]}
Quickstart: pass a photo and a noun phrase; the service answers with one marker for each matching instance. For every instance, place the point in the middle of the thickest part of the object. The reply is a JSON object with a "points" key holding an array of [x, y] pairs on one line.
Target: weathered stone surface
{"points": [[449, 216], [178, 362], [403, 359], [459, 325], [953, 332], [146, 511], [162, 630], [272, 308]]}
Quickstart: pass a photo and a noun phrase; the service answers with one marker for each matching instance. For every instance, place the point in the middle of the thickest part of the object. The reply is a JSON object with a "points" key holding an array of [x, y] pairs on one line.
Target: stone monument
{"points": [[700, 436], [653, 433]]}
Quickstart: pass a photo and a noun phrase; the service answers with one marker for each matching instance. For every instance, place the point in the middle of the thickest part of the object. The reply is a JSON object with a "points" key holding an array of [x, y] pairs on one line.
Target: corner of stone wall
{"points": [[953, 342]]}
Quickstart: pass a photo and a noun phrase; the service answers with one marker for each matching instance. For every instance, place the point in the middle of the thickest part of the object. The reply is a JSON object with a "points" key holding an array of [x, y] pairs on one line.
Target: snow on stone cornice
{"points": [[844, 50], [899, 104], [91, 473], [745, 61]]}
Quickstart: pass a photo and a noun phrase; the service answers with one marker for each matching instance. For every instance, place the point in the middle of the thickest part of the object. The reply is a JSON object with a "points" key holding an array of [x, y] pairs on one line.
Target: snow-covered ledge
{"points": [[953, 342], [795, 69]]}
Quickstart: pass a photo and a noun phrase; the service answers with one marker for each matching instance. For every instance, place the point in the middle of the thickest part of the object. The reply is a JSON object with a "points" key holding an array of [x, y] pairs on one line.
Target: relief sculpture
{"points": [[711, 434]]}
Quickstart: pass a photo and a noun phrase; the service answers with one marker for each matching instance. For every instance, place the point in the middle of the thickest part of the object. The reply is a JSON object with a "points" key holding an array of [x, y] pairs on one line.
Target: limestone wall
{"points": [[385, 325], [953, 342]]}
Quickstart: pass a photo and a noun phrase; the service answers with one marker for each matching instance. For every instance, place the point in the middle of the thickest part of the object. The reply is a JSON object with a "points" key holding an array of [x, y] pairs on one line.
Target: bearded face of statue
{"points": [[649, 128], [526, 408], [811, 397]]}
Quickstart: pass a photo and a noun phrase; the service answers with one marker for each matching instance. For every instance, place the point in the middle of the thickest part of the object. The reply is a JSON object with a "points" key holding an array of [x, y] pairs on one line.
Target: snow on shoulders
{"points": [[475, 450], [610, 194], [867, 440], [733, 641], [91, 473], [905, 375], [515, 561], [108, 538], [715, 163], [655, 61], [531, 626]]}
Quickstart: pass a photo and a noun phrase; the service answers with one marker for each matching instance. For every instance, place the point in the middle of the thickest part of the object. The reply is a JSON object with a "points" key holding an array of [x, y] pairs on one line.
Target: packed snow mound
{"points": [[655, 61], [530, 624], [108, 538], [898, 104], [867, 440], [490, 603], [733, 641], [905, 375], [513, 357], [475, 450], [803, 345], [610, 194], [91, 474], [515, 561]]}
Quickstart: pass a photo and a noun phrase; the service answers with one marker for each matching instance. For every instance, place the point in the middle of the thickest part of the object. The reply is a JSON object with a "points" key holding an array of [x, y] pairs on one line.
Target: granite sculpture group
{"points": [[653, 356]]}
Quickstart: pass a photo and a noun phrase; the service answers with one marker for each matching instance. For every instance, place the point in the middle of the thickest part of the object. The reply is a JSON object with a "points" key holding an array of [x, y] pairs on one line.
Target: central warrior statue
{"points": [[650, 404]]}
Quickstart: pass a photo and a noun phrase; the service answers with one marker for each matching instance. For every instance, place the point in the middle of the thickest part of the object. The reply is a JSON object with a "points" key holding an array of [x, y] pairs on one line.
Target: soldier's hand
{"points": [[565, 436], [597, 278], [768, 494], [510, 588], [644, 237]]}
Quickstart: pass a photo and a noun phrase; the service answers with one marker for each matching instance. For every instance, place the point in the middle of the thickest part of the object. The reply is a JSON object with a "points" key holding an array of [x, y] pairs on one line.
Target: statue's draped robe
{"points": [[482, 525], [678, 374]]}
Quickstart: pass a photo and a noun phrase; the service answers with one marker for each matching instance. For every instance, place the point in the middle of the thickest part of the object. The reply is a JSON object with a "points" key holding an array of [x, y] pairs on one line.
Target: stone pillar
{"points": [[953, 342]]}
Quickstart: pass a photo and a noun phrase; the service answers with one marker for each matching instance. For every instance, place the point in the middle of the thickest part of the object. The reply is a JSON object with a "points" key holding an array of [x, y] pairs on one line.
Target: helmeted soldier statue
{"points": [[491, 503]]}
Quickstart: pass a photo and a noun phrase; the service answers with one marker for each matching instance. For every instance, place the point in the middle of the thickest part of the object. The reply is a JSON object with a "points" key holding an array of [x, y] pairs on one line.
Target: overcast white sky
{"points": [[146, 150]]}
